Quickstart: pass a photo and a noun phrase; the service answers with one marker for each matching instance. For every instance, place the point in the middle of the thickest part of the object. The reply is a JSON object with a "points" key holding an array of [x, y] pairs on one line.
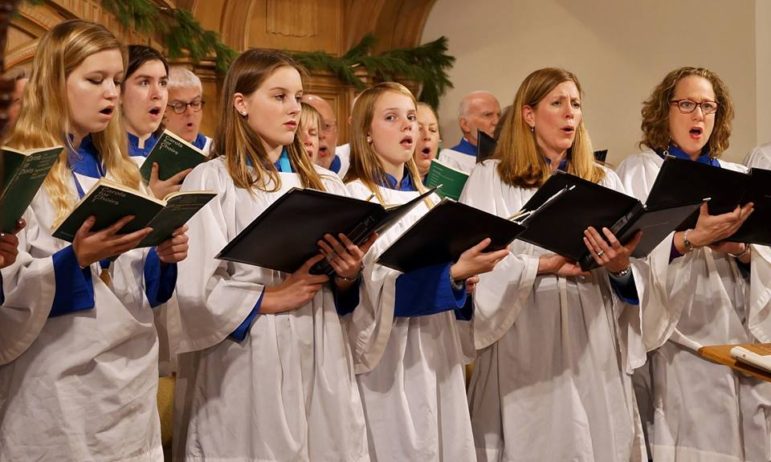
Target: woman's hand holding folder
{"points": [[345, 257], [295, 291], [476, 261], [607, 251], [90, 247]]}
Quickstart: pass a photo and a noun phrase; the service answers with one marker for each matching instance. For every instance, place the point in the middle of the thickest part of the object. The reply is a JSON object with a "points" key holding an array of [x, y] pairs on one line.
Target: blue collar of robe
{"points": [[200, 141], [86, 160], [283, 164], [336, 164], [704, 157], [563, 166], [135, 150], [465, 147], [404, 185]]}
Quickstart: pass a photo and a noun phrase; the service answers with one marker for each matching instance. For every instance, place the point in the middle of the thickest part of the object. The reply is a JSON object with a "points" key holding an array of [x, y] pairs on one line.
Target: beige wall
{"points": [[620, 49]]}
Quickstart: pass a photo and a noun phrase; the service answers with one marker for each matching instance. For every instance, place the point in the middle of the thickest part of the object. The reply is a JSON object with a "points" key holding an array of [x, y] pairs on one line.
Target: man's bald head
{"points": [[478, 110], [328, 132]]}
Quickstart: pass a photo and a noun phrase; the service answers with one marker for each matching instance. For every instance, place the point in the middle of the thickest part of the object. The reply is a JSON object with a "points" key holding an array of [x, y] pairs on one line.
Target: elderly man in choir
{"points": [[478, 111], [327, 156], [184, 113]]}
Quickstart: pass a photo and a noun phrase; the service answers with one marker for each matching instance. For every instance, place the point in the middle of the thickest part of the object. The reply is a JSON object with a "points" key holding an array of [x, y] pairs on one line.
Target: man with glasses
{"points": [[184, 113], [327, 156]]}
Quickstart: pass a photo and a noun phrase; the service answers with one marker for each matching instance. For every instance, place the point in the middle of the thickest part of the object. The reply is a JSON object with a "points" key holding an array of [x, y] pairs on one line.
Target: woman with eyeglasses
{"points": [[184, 112], [700, 290]]}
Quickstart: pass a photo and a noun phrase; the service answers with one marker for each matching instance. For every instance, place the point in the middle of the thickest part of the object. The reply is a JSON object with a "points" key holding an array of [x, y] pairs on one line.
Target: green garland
{"points": [[180, 32], [426, 64]]}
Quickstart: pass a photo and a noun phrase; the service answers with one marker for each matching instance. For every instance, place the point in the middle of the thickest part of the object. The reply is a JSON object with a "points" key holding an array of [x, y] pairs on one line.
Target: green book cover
{"points": [[23, 174], [450, 179], [108, 202], [173, 155]]}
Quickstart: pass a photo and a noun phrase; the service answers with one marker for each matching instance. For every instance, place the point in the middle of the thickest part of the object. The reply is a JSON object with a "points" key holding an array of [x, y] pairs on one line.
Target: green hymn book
{"points": [[108, 202], [22, 174], [451, 180], [173, 155]]}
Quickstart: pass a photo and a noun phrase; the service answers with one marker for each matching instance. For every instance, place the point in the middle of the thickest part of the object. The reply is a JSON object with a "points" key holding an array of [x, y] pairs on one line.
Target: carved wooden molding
{"points": [[294, 18]]}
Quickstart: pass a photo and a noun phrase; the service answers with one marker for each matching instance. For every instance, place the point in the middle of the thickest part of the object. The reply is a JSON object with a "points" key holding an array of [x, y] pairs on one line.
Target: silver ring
{"points": [[599, 254]]}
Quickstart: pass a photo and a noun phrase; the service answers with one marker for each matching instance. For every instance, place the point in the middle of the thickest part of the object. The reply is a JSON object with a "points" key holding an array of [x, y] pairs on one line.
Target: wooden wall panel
{"points": [[333, 26]]}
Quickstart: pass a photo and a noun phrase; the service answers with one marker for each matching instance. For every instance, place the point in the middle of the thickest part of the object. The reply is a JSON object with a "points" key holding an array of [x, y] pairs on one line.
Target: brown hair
{"points": [[521, 161], [365, 164], [44, 119], [655, 111], [239, 144]]}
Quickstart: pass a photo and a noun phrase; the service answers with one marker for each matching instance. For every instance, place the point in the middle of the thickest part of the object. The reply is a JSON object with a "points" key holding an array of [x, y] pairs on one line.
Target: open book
{"points": [[450, 179], [23, 173], [681, 180], [560, 228], [108, 202], [173, 155], [285, 235]]}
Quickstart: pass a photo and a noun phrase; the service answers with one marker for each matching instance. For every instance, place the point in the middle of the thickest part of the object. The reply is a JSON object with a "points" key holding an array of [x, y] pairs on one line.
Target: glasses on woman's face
{"points": [[687, 106], [180, 106]]}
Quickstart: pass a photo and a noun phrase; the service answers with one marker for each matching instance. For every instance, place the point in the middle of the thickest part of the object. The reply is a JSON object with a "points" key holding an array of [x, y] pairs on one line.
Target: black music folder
{"points": [[560, 228], [444, 233], [485, 146], [285, 235], [686, 181]]}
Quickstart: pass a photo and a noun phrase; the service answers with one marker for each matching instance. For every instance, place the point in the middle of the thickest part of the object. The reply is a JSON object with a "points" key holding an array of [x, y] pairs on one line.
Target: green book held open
{"points": [[451, 180], [108, 202], [23, 173], [173, 155]]}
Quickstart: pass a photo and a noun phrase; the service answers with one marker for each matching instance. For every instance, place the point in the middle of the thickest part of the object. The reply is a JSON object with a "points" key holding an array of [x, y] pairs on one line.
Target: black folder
{"points": [[285, 235], [485, 146], [444, 233], [683, 181], [560, 228]]}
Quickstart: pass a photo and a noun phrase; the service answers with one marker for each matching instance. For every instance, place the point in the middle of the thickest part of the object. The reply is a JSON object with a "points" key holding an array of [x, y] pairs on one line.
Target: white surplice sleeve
{"points": [[28, 287], [502, 293], [371, 322], [214, 296]]}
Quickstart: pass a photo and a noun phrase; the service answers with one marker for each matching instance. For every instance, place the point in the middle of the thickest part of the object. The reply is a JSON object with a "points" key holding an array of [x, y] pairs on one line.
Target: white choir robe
{"points": [[410, 370], [287, 391], [552, 380], [759, 157], [344, 153], [85, 387], [701, 410], [457, 160]]}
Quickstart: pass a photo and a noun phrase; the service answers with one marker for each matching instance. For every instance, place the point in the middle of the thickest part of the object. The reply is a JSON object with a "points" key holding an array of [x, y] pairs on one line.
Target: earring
{"points": [[369, 139], [243, 114], [532, 129]]}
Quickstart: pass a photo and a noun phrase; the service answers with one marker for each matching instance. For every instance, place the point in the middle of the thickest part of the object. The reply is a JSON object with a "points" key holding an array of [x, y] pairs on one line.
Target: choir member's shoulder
{"points": [[646, 159], [331, 180], [212, 172]]}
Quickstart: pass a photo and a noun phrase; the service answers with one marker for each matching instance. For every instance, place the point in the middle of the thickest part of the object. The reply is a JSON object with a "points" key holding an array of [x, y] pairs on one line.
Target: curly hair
{"points": [[655, 111]]}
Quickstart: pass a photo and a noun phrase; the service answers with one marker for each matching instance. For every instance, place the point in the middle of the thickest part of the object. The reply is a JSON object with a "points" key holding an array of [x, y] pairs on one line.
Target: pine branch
{"points": [[426, 64]]}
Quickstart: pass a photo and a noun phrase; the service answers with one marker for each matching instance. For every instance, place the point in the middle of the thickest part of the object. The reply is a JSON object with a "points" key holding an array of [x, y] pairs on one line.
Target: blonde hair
{"points": [[521, 161], [44, 119], [655, 111], [309, 116], [365, 164], [239, 144]]}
